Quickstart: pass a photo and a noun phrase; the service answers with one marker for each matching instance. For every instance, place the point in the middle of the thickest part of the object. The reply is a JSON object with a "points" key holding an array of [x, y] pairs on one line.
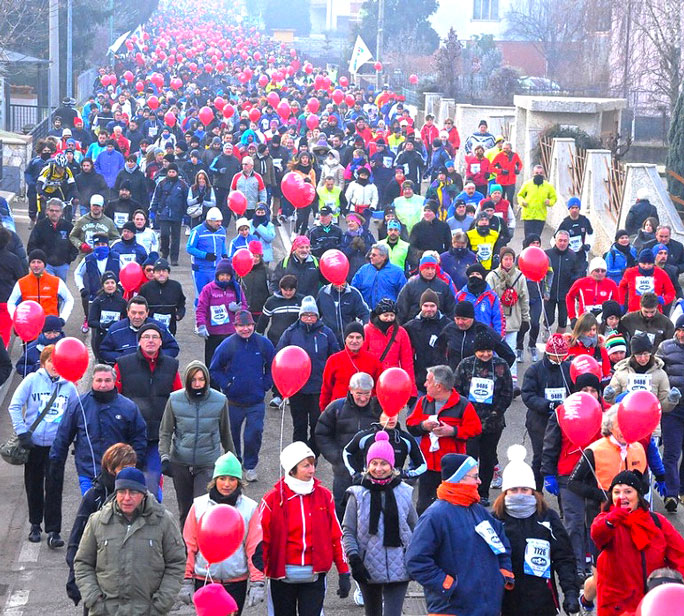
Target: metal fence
{"points": [[84, 85], [24, 118]]}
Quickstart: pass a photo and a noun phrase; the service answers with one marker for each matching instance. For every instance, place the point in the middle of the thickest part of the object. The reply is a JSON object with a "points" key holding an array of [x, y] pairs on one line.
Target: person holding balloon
{"points": [[51, 333], [239, 567]]}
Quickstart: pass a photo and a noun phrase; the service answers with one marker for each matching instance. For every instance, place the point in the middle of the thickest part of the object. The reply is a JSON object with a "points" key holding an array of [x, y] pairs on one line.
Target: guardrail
{"points": [[26, 118]]}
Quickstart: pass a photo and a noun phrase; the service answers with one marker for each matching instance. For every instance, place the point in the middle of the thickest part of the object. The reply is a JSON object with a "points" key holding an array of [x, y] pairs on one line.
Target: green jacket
{"points": [[131, 569], [397, 253], [535, 196]]}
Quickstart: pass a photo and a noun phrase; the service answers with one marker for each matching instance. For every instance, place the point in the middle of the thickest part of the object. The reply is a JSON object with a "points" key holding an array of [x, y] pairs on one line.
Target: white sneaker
{"points": [[358, 597], [497, 479], [251, 475]]}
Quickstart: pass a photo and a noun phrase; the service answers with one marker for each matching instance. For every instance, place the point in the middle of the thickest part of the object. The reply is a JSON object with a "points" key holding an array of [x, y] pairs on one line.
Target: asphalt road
{"points": [[32, 577]]}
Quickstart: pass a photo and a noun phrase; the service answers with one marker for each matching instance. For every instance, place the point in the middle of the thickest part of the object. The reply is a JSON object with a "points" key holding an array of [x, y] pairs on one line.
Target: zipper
{"points": [[194, 450], [301, 505]]}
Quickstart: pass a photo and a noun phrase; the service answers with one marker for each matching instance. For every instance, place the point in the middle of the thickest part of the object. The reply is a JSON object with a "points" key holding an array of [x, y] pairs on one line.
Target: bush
{"points": [[583, 140]]}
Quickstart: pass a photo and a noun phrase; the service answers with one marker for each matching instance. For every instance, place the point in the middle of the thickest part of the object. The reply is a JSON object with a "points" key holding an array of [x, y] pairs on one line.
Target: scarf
{"points": [[298, 486], [645, 272], [476, 285], [623, 448], [383, 326], [461, 494], [588, 341], [538, 179], [520, 506], [642, 528], [220, 499], [105, 396], [390, 512], [641, 369]]}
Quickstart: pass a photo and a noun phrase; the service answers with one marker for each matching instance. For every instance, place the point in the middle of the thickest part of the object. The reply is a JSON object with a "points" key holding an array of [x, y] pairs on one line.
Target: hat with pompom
{"points": [[517, 474], [381, 449]]}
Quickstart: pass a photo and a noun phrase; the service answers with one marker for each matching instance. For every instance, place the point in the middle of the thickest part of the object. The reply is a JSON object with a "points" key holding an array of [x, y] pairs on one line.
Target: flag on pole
{"points": [[139, 34], [360, 55]]}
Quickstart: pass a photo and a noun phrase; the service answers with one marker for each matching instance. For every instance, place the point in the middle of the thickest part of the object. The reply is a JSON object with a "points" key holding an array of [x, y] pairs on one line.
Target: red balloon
{"points": [[326, 83], [153, 102], [29, 318], [242, 262], [228, 111], [290, 369], [313, 105], [221, 532], [139, 86], [70, 358], [308, 68], [579, 417], [318, 82], [350, 100], [638, 415], [533, 263], [585, 364], [237, 202], [128, 76], [413, 79], [206, 115], [377, 66], [157, 79], [273, 99], [663, 599], [254, 114], [334, 266], [312, 121], [344, 82], [176, 83], [131, 276], [207, 68], [263, 81], [219, 103], [394, 389], [337, 96], [284, 110], [169, 119]]}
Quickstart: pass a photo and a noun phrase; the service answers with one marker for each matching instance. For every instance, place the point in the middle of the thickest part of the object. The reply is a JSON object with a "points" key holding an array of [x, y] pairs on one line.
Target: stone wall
{"points": [[17, 151]]}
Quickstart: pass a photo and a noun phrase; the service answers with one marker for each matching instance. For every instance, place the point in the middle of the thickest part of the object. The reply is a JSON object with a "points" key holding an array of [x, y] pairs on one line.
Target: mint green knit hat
{"points": [[229, 465]]}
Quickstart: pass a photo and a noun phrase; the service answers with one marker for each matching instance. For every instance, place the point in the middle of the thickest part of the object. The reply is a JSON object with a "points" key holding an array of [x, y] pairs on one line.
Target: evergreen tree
{"points": [[675, 155]]}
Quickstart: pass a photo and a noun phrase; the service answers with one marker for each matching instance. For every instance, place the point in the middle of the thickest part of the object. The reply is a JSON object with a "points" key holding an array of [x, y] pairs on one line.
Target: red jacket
{"points": [[477, 169], [400, 354], [454, 137], [570, 453], [502, 162], [598, 353], [457, 411], [428, 134], [622, 567], [586, 293], [340, 368], [300, 530], [661, 285]]}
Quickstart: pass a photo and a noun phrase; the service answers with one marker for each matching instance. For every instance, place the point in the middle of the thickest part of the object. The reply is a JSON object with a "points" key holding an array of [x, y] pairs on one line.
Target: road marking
{"points": [[16, 600], [29, 552]]}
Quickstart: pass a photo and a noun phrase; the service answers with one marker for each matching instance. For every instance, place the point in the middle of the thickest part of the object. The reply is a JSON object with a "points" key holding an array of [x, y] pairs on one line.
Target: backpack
{"points": [[509, 297]]}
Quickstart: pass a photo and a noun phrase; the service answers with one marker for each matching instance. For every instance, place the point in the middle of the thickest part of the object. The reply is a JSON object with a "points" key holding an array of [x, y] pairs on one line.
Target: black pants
{"points": [[43, 492], [237, 590], [32, 197], [535, 324], [210, 346], [305, 412], [221, 204], [189, 483], [302, 224], [341, 481], [483, 449], [170, 231], [508, 192], [383, 599], [550, 310], [298, 599], [428, 483], [536, 427], [533, 226]]}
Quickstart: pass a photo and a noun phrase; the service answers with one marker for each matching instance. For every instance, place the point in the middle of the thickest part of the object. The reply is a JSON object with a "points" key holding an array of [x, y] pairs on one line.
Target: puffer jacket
{"points": [[170, 200], [130, 568], [671, 352], [455, 344], [400, 354], [30, 358], [212, 307], [487, 308], [265, 235], [193, 430], [544, 379], [500, 280], [617, 262], [657, 381], [384, 564]]}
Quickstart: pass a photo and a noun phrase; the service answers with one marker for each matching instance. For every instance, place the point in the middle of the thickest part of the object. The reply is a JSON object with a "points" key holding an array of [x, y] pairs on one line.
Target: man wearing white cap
{"points": [[206, 246], [587, 294]]}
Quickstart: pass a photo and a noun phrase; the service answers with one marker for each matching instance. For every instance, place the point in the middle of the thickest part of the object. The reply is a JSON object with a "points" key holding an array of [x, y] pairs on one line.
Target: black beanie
{"points": [[465, 309], [38, 254], [640, 344], [587, 380], [610, 308], [476, 268], [483, 341], [619, 233], [633, 479], [354, 328], [151, 325]]}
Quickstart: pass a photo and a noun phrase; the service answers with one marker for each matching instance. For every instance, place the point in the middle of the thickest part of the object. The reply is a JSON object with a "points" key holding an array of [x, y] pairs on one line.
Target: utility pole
{"points": [[53, 29], [70, 52], [378, 42]]}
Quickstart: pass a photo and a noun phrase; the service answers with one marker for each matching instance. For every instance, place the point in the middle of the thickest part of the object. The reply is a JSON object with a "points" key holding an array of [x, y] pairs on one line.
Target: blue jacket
{"points": [[455, 262], [129, 252], [170, 200], [617, 263], [92, 275], [339, 309], [319, 342], [242, 368], [30, 358], [203, 240], [444, 535], [240, 242], [475, 199], [265, 234], [93, 427], [374, 284], [122, 339], [108, 164], [487, 307]]}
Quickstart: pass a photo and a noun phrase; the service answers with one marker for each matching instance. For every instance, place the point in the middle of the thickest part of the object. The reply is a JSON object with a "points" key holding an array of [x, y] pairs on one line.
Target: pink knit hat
{"points": [[214, 600], [381, 449]]}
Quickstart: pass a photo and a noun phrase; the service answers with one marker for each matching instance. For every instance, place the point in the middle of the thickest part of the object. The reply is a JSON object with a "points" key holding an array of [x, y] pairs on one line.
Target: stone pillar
{"points": [[432, 103], [446, 110], [596, 198]]}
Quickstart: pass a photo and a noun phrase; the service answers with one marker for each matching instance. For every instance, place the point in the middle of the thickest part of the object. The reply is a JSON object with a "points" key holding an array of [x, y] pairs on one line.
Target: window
{"points": [[486, 9]]}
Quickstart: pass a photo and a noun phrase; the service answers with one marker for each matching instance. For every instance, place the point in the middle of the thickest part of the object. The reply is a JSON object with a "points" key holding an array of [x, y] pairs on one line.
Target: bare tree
{"points": [[448, 63], [21, 21]]}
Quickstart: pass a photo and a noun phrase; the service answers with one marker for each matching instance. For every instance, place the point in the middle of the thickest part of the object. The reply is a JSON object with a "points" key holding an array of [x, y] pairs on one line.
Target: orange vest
{"points": [[41, 289], [608, 462]]}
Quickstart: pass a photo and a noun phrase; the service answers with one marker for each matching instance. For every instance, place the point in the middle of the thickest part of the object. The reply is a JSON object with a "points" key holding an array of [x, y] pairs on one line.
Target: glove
{"points": [[233, 306], [661, 300], [72, 592], [509, 579], [210, 256], [674, 395], [25, 440], [344, 586], [571, 604], [359, 571], [86, 248], [609, 392], [661, 488], [202, 331], [166, 468], [617, 516], [551, 484], [573, 322], [256, 593], [186, 591], [84, 293]]}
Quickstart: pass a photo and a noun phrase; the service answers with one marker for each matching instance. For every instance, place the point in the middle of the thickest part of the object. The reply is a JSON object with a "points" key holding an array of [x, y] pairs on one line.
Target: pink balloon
{"points": [[638, 415], [334, 266], [290, 369], [312, 121], [579, 417], [242, 262], [28, 319], [394, 389]]}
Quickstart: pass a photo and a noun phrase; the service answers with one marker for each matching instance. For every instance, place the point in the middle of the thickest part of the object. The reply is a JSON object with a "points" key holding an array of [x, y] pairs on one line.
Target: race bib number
{"points": [[219, 315], [485, 530], [56, 412], [109, 316], [126, 259], [120, 219], [576, 243], [278, 163], [164, 319], [406, 169], [537, 558], [481, 390], [484, 252], [639, 382], [554, 394], [644, 284], [433, 340], [153, 131], [595, 309], [88, 236], [475, 168]]}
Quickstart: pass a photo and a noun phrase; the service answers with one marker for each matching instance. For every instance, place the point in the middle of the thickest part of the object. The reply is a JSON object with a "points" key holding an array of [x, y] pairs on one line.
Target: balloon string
{"points": [[548, 329], [85, 426], [593, 472], [208, 577]]}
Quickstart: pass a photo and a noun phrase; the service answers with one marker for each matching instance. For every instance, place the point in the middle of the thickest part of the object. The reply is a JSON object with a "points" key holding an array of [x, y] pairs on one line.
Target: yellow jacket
{"points": [[531, 199], [483, 246]]}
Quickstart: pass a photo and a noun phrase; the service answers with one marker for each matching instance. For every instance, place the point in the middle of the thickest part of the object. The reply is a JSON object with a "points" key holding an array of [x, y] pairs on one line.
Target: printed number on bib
{"points": [[475, 168], [639, 382], [538, 558], [219, 315], [120, 219], [126, 259], [644, 284], [485, 530], [481, 390], [484, 252], [576, 243], [109, 316], [164, 319], [554, 394]]}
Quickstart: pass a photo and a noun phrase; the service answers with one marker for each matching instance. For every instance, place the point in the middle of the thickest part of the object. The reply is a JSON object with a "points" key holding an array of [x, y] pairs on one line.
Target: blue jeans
{"points": [[673, 443], [253, 418], [58, 270], [152, 469]]}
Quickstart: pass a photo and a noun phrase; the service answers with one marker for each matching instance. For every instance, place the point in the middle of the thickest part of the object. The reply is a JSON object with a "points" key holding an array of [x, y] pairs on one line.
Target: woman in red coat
{"points": [[387, 340], [585, 340], [633, 542]]}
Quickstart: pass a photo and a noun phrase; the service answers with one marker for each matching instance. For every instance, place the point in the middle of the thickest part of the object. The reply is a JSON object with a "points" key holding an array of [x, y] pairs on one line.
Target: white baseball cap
{"points": [[97, 200]]}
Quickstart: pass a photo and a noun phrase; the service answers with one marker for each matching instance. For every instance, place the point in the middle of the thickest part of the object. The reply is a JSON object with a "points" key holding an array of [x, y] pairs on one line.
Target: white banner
{"points": [[360, 55]]}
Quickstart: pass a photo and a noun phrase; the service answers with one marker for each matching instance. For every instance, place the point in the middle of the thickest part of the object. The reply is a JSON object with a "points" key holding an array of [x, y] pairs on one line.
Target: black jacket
{"points": [[323, 239], [658, 329], [434, 235], [122, 206], [639, 212], [408, 302], [108, 304], [230, 166], [255, 287], [413, 164], [455, 344], [165, 299], [89, 184], [280, 313], [339, 423], [53, 240], [308, 276], [676, 255], [139, 187], [424, 334], [541, 376], [11, 270], [567, 267], [337, 309]]}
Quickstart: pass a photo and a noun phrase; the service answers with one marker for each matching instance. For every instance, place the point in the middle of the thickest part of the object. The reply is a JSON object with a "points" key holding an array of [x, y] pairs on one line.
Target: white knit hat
{"points": [[597, 263], [241, 222], [293, 454], [214, 214], [517, 474]]}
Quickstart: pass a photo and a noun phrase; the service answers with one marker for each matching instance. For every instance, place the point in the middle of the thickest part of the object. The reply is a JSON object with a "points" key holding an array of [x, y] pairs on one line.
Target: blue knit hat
{"points": [[428, 261], [130, 478], [455, 466], [574, 202], [657, 248], [646, 256]]}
